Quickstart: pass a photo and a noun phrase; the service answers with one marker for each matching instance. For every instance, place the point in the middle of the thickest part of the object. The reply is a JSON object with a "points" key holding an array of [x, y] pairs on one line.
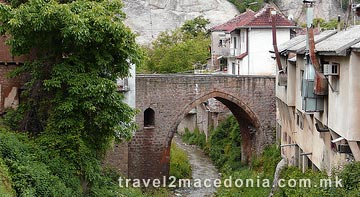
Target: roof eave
{"points": [[333, 53], [267, 27]]}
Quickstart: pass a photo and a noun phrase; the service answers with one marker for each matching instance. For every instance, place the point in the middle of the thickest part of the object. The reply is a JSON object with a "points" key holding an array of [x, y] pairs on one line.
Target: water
{"points": [[202, 168]]}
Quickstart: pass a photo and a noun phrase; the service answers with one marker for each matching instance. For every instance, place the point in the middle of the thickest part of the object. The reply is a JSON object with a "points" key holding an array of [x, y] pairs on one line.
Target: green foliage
{"points": [[196, 27], [225, 144], [178, 50], [80, 48], [6, 189], [179, 163], [332, 24], [77, 50], [194, 138], [224, 149], [32, 170], [349, 176], [254, 5], [261, 171], [30, 177]]}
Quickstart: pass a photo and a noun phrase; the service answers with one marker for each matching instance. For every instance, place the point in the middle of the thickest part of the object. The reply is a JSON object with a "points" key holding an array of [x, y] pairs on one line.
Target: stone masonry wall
{"points": [[250, 98]]}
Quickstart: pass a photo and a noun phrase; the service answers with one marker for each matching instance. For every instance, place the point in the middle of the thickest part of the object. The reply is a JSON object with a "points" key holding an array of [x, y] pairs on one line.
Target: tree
{"points": [[195, 27], [180, 49], [77, 51]]}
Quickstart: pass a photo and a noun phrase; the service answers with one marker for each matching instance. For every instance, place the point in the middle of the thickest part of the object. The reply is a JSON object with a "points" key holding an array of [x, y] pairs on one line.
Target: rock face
{"points": [[150, 17], [326, 9]]}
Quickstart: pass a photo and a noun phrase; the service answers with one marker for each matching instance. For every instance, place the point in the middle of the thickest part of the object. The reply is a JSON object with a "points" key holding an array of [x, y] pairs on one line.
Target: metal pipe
{"points": [[320, 82], [277, 55], [284, 145]]}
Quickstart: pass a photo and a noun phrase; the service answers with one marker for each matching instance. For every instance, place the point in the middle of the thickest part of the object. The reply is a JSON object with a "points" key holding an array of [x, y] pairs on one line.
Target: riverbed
{"points": [[202, 169]]}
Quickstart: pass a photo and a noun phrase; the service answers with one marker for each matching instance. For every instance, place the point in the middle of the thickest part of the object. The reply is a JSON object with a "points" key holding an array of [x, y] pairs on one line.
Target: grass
{"points": [[179, 163], [6, 189]]}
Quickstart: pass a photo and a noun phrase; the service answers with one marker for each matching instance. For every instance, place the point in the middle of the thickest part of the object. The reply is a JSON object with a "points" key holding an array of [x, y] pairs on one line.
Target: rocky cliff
{"points": [[326, 9], [150, 17]]}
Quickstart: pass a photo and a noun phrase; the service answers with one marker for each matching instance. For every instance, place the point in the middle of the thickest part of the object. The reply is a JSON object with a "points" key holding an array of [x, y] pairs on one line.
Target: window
{"points": [[235, 44], [299, 120], [149, 118], [233, 68], [242, 36]]}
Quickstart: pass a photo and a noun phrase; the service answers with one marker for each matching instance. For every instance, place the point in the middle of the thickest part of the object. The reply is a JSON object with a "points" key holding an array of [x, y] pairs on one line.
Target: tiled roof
{"points": [[239, 21], [300, 47], [356, 46], [340, 42], [263, 18], [294, 41], [251, 19]]}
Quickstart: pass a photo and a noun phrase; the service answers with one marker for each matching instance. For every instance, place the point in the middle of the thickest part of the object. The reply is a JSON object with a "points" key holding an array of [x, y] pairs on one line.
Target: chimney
{"points": [[338, 23]]}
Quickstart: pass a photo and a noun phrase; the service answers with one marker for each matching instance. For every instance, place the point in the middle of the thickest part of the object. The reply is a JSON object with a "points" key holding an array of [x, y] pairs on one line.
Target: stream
{"points": [[202, 168]]}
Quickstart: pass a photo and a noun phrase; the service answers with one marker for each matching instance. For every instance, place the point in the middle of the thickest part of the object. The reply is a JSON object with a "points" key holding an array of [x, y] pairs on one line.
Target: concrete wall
{"points": [[258, 61], [340, 115], [260, 43], [189, 122]]}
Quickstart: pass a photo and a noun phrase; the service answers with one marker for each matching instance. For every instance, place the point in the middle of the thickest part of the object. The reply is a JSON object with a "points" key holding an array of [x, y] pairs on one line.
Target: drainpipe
{"points": [[277, 55], [320, 82], [247, 48]]}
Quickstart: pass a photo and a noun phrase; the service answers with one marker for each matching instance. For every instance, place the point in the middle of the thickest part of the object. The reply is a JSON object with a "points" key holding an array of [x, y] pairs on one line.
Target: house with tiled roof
{"points": [[241, 45]]}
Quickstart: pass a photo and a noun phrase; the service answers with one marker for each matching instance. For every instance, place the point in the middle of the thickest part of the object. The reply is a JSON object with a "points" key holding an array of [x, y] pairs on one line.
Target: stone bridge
{"points": [[164, 100]]}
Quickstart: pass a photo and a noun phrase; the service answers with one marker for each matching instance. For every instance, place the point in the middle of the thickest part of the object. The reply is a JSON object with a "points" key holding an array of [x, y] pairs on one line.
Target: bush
{"points": [[5, 181], [349, 176], [29, 176], [28, 170], [179, 163], [194, 138], [224, 146], [260, 171]]}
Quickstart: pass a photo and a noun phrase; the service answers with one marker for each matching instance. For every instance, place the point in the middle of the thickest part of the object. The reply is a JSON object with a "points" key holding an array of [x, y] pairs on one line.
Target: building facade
{"points": [[320, 131], [241, 45]]}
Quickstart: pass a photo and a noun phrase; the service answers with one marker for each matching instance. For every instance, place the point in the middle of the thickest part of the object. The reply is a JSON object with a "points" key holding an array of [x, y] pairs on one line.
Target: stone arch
{"points": [[248, 122]]}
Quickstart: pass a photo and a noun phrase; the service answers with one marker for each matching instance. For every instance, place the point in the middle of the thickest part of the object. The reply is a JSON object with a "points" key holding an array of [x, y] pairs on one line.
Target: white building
{"points": [[128, 87], [241, 45], [320, 131]]}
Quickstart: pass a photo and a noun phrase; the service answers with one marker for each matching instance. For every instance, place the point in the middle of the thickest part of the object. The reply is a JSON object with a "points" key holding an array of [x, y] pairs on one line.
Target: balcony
{"points": [[230, 52], [122, 85]]}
